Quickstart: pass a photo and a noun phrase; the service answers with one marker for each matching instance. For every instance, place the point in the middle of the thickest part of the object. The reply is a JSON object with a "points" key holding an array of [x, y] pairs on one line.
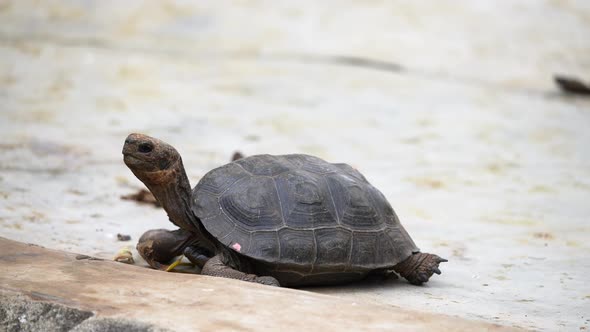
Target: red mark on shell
{"points": [[236, 246]]}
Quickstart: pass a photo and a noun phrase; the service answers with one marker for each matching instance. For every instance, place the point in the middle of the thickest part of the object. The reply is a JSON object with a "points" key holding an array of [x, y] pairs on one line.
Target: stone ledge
{"points": [[22, 313], [45, 289]]}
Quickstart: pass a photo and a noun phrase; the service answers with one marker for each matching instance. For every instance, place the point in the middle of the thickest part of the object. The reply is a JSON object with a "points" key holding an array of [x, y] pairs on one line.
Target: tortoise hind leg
{"points": [[419, 267], [216, 268]]}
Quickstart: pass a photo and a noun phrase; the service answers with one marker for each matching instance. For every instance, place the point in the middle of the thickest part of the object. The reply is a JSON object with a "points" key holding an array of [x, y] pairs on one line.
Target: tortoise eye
{"points": [[145, 147]]}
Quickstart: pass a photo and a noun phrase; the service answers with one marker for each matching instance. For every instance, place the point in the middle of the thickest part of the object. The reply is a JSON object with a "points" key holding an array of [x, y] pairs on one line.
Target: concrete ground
{"points": [[448, 108]]}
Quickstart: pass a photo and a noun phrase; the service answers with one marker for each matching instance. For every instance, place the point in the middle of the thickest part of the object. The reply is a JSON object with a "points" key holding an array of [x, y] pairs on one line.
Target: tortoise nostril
{"points": [[145, 147]]}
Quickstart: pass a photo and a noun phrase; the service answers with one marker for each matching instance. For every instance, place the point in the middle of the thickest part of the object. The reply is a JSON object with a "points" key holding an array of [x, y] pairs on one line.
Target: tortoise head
{"points": [[159, 166], [149, 158]]}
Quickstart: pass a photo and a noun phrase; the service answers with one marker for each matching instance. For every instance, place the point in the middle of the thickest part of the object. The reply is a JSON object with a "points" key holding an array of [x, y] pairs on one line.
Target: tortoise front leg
{"points": [[197, 255], [159, 246], [215, 267]]}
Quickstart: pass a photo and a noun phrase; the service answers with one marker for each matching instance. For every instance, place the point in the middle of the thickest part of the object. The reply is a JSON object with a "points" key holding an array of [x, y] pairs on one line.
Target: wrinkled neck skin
{"points": [[172, 189]]}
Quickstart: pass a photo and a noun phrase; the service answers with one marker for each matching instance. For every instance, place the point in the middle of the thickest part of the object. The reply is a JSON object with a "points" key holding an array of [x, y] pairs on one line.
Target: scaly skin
{"points": [[419, 267], [215, 267]]}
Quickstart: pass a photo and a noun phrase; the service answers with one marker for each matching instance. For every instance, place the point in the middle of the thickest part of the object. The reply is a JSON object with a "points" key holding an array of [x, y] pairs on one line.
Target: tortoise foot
{"points": [[269, 281], [419, 267], [217, 268]]}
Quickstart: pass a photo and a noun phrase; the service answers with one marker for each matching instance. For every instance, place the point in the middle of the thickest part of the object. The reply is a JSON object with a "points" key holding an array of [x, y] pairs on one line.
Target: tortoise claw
{"points": [[436, 270]]}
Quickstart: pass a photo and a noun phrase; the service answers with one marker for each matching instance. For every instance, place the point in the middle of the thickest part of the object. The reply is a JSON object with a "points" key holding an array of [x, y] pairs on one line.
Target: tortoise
{"points": [[286, 220]]}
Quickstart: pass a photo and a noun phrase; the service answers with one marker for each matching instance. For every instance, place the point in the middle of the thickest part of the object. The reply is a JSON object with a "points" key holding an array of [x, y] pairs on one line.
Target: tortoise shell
{"points": [[301, 211]]}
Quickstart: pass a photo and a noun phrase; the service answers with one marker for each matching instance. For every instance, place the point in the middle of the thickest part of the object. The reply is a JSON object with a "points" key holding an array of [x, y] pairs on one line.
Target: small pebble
{"points": [[123, 237]]}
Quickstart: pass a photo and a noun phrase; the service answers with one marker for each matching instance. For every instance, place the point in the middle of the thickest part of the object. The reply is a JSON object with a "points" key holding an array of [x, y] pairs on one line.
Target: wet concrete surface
{"points": [[450, 110]]}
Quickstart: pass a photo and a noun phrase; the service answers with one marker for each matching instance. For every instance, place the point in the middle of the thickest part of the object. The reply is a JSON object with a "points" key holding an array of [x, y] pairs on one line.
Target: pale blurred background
{"points": [[449, 108]]}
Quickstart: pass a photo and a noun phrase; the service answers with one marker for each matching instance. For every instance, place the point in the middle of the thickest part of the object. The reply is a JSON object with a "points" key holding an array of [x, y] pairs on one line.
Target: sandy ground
{"points": [[449, 110]]}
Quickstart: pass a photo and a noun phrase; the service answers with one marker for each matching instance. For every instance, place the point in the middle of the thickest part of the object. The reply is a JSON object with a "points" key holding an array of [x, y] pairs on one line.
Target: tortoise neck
{"points": [[172, 189]]}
